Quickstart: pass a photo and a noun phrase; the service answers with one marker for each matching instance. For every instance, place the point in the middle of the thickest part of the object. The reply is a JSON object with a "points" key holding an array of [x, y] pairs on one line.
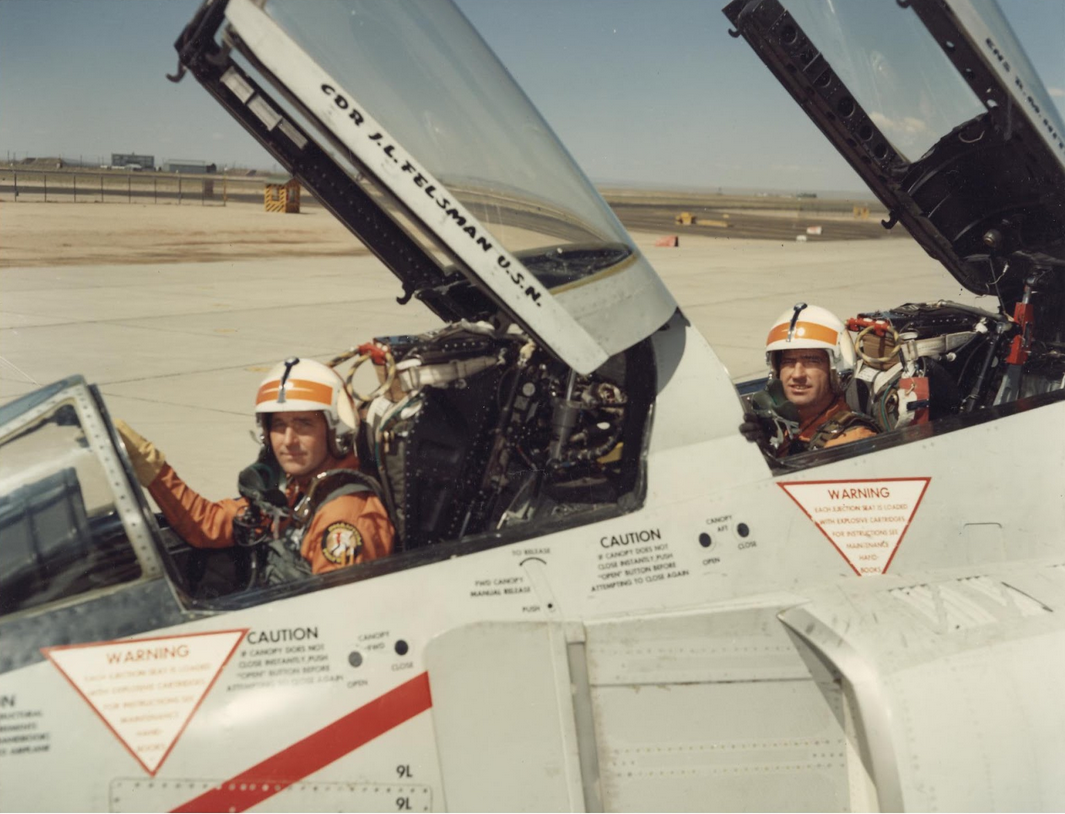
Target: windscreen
{"points": [[61, 534], [896, 71], [431, 81], [903, 79]]}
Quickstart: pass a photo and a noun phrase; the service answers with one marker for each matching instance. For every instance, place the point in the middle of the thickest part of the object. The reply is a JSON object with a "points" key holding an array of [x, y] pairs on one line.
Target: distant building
{"points": [[189, 166], [131, 160]]}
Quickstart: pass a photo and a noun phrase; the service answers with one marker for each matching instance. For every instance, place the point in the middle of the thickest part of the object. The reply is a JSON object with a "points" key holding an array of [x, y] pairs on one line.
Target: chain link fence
{"points": [[86, 186]]}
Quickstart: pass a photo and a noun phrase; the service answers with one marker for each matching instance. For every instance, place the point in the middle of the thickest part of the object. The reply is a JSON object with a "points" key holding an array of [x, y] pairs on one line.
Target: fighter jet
{"points": [[603, 596]]}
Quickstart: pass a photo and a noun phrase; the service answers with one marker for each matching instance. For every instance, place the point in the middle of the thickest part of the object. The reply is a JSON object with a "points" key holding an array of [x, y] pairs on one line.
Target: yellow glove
{"points": [[146, 459]]}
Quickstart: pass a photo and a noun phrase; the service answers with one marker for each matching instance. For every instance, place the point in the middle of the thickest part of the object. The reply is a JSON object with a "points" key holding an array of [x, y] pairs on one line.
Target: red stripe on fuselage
{"points": [[318, 750]]}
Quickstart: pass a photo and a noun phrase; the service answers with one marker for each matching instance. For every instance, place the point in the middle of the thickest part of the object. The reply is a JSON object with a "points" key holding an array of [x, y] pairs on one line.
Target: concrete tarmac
{"points": [[178, 350]]}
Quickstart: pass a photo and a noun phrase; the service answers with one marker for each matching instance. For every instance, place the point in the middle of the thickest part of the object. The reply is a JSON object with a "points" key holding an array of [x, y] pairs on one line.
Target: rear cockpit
{"points": [[937, 108], [927, 368]]}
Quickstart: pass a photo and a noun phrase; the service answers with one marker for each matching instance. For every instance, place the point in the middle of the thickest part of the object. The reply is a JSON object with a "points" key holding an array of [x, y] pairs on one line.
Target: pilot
{"points": [[811, 359], [307, 426]]}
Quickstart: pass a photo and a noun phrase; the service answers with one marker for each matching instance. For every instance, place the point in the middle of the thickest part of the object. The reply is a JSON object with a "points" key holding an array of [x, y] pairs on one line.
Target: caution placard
{"points": [[864, 519], [147, 690]]}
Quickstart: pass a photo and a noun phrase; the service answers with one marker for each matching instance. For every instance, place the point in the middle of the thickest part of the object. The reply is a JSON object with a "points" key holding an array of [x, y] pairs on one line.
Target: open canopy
{"points": [[936, 106], [403, 122]]}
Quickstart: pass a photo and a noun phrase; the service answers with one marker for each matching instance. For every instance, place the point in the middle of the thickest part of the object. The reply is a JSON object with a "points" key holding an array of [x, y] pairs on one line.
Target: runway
{"points": [[734, 223]]}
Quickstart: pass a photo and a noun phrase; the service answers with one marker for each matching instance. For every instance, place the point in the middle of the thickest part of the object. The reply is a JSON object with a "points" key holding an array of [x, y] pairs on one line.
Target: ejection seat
{"points": [[429, 437], [917, 363]]}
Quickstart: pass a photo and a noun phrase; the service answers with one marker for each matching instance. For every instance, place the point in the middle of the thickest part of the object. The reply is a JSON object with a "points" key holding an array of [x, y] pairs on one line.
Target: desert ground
{"points": [[37, 234]]}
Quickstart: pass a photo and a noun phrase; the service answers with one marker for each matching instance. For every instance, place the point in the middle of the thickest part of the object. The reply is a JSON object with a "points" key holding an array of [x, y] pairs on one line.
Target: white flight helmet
{"points": [[809, 326], [305, 384]]}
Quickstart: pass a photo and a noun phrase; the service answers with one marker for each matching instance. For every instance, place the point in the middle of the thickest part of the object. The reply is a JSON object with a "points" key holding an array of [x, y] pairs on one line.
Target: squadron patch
{"points": [[341, 543]]}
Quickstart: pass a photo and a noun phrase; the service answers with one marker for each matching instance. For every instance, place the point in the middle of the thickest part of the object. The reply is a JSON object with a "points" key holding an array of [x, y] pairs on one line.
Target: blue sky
{"points": [[645, 91]]}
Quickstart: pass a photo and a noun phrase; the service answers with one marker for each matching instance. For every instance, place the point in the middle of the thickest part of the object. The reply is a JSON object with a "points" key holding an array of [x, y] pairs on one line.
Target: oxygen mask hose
{"points": [[259, 484], [772, 401], [770, 418]]}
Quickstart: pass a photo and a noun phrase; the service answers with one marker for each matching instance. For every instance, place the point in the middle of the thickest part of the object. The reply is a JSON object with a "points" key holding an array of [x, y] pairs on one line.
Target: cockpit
{"points": [[942, 115]]}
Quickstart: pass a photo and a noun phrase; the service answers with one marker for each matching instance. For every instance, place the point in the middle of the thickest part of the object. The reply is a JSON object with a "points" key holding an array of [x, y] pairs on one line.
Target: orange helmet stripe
{"points": [[803, 330], [296, 389]]}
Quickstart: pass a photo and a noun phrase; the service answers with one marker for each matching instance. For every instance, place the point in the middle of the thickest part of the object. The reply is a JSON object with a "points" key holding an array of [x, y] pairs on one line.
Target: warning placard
{"points": [[864, 519], [147, 690]]}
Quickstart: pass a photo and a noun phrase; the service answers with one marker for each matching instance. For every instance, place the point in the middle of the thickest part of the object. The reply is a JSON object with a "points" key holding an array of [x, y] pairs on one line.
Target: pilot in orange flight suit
{"points": [[308, 426], [810, 352]]}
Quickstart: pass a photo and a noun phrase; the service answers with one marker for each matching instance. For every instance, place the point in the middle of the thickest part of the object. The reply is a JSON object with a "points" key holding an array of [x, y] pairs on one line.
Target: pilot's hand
{"points": [[146, 459], [754, 429]]}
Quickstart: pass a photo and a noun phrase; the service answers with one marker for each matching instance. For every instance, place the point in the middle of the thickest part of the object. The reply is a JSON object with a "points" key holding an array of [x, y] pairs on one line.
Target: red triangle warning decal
{"points": [[864, 519], [147, 690]]}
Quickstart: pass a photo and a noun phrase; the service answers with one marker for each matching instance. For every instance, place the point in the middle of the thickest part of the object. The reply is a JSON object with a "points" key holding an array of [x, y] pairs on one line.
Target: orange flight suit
{"points": [[346, 530], [837, 424]]}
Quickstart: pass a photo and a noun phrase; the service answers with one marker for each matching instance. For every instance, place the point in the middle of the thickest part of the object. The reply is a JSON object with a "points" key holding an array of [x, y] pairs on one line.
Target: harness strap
{"points": [[284, 560], [839, 424]]}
